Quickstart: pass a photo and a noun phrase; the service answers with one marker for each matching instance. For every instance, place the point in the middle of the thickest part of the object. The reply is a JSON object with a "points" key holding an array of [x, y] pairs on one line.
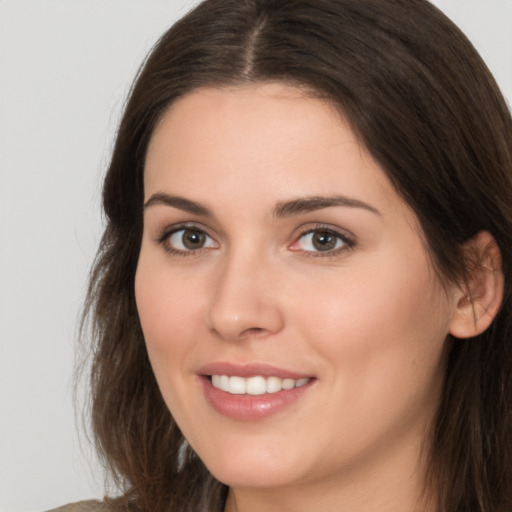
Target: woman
{"points": [[302, 297]]}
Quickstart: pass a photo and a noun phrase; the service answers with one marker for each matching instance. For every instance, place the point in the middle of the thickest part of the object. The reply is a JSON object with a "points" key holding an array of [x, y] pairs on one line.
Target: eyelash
{"points": [[348, 242], [167, 233]]}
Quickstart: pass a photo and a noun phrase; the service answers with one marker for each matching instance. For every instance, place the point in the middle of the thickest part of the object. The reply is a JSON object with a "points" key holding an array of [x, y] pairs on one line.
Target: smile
{"points": [[252, 392], [257, 385]]}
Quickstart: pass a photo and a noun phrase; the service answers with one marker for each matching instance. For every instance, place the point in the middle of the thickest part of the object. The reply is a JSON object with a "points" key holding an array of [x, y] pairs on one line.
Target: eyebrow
{"points": [[311, 204], [283, 209], [160, 198]]}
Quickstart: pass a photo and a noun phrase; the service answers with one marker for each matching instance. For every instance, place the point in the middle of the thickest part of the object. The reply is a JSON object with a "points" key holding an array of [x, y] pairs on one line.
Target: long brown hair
{"points": [[425, 105]]}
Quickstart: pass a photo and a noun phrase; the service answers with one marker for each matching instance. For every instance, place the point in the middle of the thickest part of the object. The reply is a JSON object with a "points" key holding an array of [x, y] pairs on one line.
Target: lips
{"points": [[251, 392]]}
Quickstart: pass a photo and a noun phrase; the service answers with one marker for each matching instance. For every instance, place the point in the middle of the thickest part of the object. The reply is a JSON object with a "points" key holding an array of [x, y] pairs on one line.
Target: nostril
{"points": [[253, 331]]}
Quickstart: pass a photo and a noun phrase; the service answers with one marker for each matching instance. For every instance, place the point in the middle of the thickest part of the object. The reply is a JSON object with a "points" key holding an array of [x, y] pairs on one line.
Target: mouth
{"points": [[252, 392], [255, 386]]}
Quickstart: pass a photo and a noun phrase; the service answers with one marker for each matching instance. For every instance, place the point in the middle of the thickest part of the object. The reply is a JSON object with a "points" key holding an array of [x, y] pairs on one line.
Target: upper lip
{"points": [[249, 370]]}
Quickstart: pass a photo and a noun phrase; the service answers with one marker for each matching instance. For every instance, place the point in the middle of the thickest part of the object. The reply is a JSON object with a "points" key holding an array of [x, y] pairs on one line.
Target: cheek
{"points": [[388, 293], [382, 329], [167, 312]]}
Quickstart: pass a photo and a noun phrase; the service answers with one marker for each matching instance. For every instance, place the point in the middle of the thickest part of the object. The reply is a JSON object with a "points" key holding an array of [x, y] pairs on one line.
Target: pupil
{"points": [[324, 241], [193, 239]]}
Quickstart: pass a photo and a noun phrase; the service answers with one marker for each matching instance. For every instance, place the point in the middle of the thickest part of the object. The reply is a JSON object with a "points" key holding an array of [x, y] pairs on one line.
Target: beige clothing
{"points": [[82, 506]]}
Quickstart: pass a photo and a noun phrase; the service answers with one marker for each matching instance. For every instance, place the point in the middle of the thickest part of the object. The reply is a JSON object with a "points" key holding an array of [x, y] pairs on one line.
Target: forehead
{"points": [[206, 114], [254, 133]]}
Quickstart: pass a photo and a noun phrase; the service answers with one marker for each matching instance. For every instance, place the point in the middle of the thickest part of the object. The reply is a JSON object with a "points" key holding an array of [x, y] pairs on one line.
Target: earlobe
{"points": [[479, 297]]}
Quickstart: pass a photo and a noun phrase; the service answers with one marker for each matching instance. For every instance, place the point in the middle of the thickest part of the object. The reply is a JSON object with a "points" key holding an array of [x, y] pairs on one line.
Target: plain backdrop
{"points": [[65, 69]]}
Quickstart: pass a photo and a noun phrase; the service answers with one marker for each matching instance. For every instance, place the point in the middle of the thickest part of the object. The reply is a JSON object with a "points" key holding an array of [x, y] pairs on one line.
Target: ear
{"points": [[479, 298]]}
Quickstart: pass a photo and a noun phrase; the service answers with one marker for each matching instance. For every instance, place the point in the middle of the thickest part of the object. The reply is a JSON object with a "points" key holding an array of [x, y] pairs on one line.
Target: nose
{"points": [[245, 302]]}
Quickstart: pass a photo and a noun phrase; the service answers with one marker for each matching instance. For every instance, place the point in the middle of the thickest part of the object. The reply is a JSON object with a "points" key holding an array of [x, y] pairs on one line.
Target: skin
{"points": [[368, 320]]}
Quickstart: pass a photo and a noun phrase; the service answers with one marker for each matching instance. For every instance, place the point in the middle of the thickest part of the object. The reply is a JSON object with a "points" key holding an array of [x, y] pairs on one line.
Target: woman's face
{"points": [[293, 321]]}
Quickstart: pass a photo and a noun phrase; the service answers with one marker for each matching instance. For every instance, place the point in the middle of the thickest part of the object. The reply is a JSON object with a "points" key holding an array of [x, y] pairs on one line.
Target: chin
{"points": [[253, 478], [254, 471]]}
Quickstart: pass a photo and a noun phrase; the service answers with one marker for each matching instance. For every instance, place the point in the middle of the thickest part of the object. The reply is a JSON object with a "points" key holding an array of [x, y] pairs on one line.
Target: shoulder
{"points": [[82, 506]]}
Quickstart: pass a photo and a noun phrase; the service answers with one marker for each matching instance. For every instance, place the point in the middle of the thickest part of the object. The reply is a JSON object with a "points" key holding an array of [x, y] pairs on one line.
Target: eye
{"points": [[322, 240], [188, 239]]}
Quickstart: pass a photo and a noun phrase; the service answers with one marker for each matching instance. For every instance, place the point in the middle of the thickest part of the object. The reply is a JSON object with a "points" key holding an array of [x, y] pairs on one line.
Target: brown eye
{"points": [[322, 240], [190, 239], [193, 239]]}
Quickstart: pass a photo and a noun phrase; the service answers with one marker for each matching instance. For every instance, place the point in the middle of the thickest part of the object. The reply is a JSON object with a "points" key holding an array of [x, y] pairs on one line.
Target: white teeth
{"points": [[236, 385], [221, 382], [274, 384], [255, 385], [224, 382], [288, 384]]}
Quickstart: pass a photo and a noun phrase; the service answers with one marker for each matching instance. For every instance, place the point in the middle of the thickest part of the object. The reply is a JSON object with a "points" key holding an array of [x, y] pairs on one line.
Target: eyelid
{"points": [[164, 235], [348, 239]]}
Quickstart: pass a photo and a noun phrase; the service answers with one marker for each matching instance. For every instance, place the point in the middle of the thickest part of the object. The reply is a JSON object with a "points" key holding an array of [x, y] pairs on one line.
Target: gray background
{"points": [[65, 69]]}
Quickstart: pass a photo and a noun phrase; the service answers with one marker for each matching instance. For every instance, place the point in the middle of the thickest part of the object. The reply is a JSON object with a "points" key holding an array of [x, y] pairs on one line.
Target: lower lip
{"points": [[251, 407]]}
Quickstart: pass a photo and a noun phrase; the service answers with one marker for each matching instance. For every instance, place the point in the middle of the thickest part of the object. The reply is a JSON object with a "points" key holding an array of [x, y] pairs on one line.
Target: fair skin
{"points": [[339, 292]]}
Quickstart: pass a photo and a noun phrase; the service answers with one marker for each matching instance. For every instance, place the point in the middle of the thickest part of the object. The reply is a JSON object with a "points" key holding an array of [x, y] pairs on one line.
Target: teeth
{"points": [[288, 384], [255, 385], [274, 384], [223, 382]]}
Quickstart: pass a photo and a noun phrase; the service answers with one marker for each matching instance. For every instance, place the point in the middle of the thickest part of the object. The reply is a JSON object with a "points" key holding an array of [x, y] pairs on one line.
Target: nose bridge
{"points": [[245, 300]]}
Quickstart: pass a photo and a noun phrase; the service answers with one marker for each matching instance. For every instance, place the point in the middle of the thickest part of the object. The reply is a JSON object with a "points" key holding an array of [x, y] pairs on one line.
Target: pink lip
{"points": [[249, 370], [249, 407]]}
